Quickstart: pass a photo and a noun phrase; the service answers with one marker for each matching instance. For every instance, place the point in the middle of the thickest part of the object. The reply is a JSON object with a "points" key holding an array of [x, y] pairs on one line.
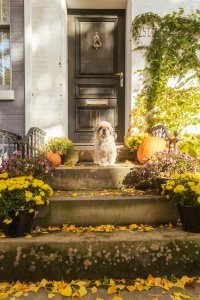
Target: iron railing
{"points": [[162, 132], [28, 145], [8, 144]]}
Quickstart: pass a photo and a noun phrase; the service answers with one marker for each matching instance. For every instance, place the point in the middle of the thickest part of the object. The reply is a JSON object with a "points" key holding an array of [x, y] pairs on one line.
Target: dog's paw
{"points": [[104, 164]]}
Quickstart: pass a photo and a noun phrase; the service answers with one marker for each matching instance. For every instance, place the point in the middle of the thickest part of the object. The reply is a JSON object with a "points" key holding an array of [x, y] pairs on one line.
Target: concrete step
{"points": [[93, 195], [92, 255], [91, 177], [84, 208]]}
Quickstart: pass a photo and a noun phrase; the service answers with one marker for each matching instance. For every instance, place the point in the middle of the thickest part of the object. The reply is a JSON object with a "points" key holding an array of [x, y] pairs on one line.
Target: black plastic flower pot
{"points": [[190, 218], [20, 225]]}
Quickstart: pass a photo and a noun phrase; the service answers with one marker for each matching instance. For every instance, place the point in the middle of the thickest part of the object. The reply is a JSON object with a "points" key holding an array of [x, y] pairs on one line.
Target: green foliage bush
{"points": [[133, 142], [172, 55], [190, 143], [60, 145]]}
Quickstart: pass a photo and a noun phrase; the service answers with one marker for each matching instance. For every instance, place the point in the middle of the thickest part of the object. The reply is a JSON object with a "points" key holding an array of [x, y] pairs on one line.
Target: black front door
{"points": [[96, 64]]}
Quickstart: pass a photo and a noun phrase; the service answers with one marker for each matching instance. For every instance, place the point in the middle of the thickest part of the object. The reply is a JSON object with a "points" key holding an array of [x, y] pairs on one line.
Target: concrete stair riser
{"points": [[124, 210], [92, 255], [90, 178]]}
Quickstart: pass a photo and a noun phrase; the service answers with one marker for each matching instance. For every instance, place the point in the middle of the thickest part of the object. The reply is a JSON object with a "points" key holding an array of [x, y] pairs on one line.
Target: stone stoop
{"points": [[91, 195]]}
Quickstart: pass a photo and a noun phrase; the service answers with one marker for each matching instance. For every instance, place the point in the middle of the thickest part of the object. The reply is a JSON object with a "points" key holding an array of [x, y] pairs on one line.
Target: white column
{"points": [[128, 66], [64, 67], [28, 62]]}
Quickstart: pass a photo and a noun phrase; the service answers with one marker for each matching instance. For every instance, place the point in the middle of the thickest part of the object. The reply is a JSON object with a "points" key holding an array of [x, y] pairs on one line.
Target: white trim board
{"points": [[91, 4]]}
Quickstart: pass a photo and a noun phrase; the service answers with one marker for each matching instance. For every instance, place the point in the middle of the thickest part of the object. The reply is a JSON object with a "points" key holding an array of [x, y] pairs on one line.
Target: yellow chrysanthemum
{"points": [[30, 192], [179, 189], [28, 195], [4, 175]]}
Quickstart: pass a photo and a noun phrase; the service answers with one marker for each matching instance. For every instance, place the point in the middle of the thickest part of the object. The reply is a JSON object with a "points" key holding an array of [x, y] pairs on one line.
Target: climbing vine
{"points": [[170, 94]]}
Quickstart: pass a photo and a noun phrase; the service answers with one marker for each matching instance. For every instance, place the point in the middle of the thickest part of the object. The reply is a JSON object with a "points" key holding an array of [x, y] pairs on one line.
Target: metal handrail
{"points": [[28, 145], [8, 144], [162, 132]]}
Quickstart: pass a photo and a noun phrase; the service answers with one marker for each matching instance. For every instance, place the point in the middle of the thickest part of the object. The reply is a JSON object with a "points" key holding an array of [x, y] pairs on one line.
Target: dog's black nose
{"points": [[104, 131]]}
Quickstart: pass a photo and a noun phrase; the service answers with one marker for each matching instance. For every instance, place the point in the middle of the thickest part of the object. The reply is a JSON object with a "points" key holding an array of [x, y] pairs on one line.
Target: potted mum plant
{"points": [[162, 165], [20, 197], [59, 145], [39, 166], [184, 191], [133, 143]]}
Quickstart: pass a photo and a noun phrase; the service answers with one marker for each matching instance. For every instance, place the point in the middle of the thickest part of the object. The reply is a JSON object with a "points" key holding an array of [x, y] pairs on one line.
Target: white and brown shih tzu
{"points": [[104, 147]]}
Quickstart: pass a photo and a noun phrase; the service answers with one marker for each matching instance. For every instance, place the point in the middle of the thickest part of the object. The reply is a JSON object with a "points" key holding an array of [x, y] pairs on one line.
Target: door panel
{"points": [[90, 60], [96, 53]]}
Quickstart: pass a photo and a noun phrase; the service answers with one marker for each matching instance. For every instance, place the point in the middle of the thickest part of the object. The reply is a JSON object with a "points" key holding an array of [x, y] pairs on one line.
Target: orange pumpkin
{"points": [[55, 158], [149, 146]]}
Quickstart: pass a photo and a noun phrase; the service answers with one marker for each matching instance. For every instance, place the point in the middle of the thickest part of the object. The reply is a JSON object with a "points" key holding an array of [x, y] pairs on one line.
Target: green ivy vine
{"points": [[173, 55]]}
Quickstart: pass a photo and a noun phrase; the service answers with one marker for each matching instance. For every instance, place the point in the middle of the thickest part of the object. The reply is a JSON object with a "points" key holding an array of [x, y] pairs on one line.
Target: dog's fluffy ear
{"points": [[96, 128], [111, 129]]}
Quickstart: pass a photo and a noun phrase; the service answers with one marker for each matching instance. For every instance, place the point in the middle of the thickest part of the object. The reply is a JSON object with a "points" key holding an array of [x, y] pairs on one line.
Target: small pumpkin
{"points": [[149, 146], [55, 158]]}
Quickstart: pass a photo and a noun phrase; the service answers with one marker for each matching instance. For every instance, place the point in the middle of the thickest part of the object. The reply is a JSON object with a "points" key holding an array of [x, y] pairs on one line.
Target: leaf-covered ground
{"points": [[100, 228], [107, 289]]}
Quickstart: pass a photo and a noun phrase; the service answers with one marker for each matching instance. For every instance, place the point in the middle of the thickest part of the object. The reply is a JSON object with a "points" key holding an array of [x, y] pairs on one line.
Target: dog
{"points": [[105, 148]]}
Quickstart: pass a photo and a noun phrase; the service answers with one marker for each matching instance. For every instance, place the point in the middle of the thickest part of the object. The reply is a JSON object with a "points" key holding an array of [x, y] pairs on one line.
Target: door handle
{"points": [[121, 78]]}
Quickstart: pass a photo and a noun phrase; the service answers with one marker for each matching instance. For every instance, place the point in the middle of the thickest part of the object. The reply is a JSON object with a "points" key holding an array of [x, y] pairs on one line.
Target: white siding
{"points": [[47, 66]]}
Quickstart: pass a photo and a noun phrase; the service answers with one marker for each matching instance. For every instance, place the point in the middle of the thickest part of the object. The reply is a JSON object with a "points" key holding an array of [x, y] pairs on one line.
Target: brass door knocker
{"points": [[96, 42]]}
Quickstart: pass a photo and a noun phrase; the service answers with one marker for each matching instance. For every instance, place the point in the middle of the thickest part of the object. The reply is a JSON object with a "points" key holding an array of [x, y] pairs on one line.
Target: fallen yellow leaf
{"points": [[93, 289], [179, 294], [79, 293], [74, 194], [3, 295], [51, 295], [130, 288], [120, 286], [66, 291], [117, 298]]}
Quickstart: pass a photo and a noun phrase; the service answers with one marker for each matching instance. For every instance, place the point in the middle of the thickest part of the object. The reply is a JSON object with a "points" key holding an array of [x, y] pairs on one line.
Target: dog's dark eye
{"points": [[100, 128]]}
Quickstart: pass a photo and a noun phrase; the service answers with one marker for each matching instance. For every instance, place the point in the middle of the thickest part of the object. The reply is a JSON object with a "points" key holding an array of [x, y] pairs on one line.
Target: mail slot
{"points": [[96, 101]]}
